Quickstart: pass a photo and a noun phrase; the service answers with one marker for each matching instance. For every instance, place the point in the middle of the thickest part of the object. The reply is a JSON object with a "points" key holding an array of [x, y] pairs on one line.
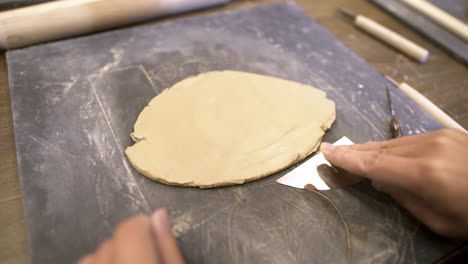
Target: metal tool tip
{"points": [[391, 80], [392, 109], [347, 13]]}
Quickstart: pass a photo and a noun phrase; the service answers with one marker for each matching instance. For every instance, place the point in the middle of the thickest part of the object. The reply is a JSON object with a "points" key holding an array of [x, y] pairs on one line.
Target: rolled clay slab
{"points": [[226, 127]]}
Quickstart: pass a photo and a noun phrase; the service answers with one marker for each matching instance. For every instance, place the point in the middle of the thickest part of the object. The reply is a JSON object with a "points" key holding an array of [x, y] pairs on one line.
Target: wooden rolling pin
{"points": [[390, 37], [66, 18], [441, 17], [427, 105]]}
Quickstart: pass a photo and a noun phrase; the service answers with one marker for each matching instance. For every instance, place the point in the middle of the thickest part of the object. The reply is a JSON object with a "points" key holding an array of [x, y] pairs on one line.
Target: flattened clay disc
{"points": [[226, 127]]}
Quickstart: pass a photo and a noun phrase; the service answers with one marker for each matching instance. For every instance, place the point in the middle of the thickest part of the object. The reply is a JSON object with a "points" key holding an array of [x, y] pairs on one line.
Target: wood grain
{"points": [[441, 79], [13, 238]]}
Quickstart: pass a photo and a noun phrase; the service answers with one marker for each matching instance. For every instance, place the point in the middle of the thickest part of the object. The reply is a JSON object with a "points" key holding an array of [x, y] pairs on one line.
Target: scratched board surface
{"points": [[19, 3], [453, 44], [75, 102]]}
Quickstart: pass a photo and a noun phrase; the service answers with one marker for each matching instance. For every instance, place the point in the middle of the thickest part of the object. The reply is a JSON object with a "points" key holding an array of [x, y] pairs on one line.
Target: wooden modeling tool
{"points": [[388, 36], [427, 105], [440, 17], [67, 18]]}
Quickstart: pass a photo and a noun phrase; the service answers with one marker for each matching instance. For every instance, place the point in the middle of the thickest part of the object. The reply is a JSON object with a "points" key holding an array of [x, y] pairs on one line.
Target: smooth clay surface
{"points": [[225, 127]]}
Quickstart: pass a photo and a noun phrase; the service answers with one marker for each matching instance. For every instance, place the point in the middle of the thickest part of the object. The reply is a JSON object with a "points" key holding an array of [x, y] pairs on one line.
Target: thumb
{"points": [[337, 155], [165, 241]]}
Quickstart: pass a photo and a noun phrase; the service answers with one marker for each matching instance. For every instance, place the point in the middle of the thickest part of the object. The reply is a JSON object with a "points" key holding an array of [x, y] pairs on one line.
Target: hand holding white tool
{"points": [[390, 37]]}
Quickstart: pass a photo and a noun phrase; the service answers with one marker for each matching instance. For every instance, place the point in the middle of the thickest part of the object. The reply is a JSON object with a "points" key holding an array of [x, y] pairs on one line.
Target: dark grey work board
{"points": [[454, 45], [19, 3], [75, 101]]}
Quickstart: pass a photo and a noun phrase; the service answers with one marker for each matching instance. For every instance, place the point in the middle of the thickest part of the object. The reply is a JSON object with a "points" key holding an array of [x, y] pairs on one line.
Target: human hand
{"points": [[140, 239], [427, 174]]}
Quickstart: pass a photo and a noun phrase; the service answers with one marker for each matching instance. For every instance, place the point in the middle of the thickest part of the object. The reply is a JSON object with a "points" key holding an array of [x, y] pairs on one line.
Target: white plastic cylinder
{"points": [[66, 18], [392, 38], [441, 17], [430, 107]]}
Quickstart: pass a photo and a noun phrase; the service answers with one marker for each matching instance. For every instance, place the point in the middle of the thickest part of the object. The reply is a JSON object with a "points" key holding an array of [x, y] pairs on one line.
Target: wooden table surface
{"points": [[442, 79]]}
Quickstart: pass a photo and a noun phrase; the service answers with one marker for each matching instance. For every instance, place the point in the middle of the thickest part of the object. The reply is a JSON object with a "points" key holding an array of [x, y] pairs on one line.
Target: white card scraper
{"points": [[317, 173]]}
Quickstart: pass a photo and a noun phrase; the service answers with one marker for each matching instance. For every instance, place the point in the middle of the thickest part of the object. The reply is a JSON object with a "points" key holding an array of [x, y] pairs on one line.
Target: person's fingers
{"points": [[375, 165], [401, 141], [402, 196], [104, 255], [420, 209], [384, 147], [166, 242], [377, 185], [406, 140], [413, 150], [134, 242], [88, 259], [420, 139]]}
